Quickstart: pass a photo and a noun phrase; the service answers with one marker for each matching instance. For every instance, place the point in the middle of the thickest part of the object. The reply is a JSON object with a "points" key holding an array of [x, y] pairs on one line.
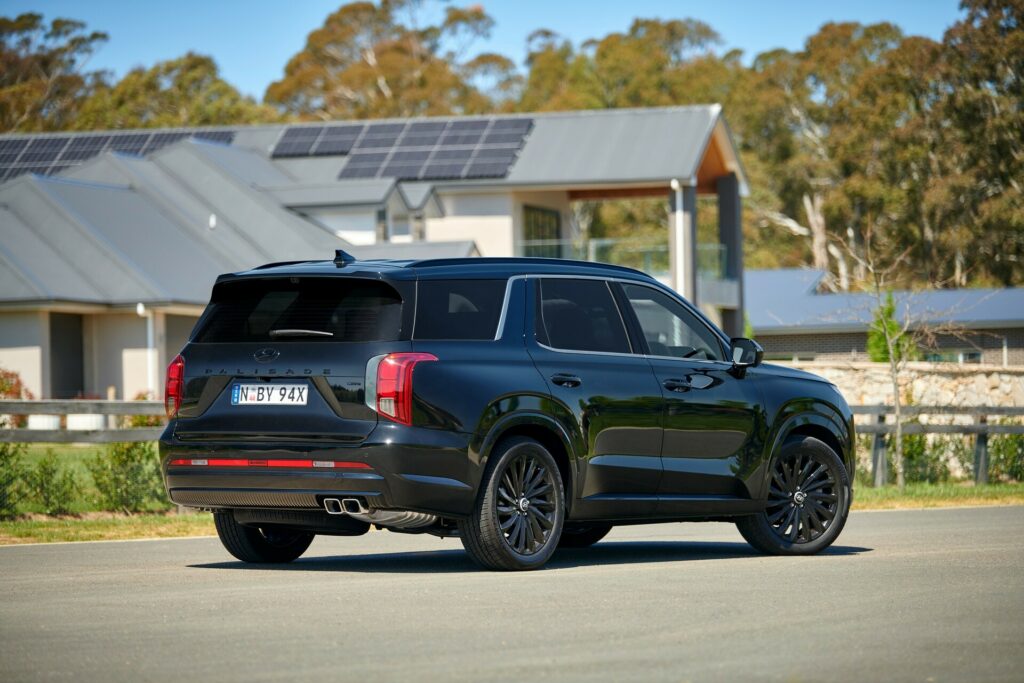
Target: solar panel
{"points": [[517, 125], [468, 125], [442, 171], [359, 172], [487, 170], [337, 140], [402, 171], [129, 144], [13, 146], [223, 136], [50, 154]]}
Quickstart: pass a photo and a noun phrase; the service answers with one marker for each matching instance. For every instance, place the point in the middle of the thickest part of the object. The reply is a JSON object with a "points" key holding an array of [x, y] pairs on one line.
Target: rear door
{"points": [[284, 358], [711, 417], [581, 348]]}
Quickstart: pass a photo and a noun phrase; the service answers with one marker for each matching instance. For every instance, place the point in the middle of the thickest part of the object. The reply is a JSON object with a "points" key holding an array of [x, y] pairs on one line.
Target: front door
{"points": [[581, 348], [711, 416]]}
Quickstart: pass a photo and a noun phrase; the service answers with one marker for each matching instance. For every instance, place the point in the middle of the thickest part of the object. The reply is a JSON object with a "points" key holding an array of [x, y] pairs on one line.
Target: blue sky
{"points": [[252, 40]]}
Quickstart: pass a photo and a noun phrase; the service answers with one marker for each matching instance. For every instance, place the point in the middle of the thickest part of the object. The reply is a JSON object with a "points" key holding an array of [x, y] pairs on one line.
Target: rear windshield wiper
{"points": [[300, 333]]}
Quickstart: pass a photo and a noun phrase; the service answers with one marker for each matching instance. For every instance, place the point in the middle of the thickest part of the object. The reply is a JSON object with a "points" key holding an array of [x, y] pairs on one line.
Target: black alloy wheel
{"points": [[526, 502], [517, 521], [808, 501], [802, 498]]}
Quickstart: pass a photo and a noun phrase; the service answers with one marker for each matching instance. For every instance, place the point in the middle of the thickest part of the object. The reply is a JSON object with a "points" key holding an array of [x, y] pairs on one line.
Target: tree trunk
{"points": [[897, 403], [816, 221]]}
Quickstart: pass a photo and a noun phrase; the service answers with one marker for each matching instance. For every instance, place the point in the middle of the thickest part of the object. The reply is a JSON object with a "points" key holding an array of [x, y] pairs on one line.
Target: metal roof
{"points": [[788, 301], [120, 228]]}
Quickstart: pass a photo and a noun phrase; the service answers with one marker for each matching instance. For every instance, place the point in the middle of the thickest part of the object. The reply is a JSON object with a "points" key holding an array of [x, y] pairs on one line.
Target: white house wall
{"points": [[486, 219], [24, 344], [357, 226], [115, 355]]}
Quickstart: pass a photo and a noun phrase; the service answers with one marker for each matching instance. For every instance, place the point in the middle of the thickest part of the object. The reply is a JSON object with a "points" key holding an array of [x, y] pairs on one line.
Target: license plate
{"points": [[269, 394]]}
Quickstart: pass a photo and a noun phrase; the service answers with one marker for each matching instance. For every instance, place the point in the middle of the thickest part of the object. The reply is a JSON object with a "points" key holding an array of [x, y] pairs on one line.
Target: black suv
{"points": [[519, 404]]}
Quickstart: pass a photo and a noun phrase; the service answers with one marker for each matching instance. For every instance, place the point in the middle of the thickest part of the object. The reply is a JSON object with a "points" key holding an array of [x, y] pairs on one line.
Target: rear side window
{"points": [[579, 315], [302, 309], [458, 309]]}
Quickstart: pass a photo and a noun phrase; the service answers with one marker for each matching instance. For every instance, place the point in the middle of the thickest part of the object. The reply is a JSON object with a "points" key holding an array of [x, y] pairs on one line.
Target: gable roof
{"points": [[788, 301]]}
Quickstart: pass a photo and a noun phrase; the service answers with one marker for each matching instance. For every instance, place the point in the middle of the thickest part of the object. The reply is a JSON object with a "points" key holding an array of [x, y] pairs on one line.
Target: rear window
{"points": [[302, 309], [458, 309]]}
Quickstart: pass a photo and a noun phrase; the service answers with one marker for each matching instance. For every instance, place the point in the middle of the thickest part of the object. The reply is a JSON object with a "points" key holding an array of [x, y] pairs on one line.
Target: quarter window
{"points": [[458, 309], [579, 315], [669, 328]]}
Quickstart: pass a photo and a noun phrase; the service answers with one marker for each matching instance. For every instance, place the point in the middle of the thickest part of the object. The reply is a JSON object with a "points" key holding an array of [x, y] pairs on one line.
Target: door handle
{"points": [[564, 380], [677, 384]]}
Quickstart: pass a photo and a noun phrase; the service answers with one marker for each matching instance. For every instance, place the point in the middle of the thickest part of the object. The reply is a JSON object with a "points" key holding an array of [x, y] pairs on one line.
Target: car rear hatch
{"points": [[283, 359]]}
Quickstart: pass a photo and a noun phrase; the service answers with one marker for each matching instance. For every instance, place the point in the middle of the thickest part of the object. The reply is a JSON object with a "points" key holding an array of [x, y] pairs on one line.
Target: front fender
{"points": [[813, 413]]}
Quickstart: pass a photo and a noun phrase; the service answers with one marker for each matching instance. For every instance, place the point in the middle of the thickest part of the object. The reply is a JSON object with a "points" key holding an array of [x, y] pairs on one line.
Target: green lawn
{"points": [[107, 527], [937, 495], [96, 526]]}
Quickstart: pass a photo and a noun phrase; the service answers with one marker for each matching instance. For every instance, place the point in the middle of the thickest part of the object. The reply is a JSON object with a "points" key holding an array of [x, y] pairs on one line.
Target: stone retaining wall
{"points": [[936, 384]]}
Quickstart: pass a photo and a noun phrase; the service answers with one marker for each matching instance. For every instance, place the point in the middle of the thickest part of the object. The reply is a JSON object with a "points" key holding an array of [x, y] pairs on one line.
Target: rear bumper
{"points": [[422, 470]]}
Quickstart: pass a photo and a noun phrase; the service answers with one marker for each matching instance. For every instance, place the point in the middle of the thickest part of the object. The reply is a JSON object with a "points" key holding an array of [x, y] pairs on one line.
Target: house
{"points": [[794, 319], [110, 241]]}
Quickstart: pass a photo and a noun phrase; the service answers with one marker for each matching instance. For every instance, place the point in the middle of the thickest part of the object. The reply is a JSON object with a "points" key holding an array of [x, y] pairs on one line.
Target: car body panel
{"points": [[632, 450]]}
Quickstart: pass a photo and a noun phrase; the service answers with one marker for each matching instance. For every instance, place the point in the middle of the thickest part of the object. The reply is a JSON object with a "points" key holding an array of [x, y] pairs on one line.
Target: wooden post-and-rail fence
{"points": [[880, 427]]}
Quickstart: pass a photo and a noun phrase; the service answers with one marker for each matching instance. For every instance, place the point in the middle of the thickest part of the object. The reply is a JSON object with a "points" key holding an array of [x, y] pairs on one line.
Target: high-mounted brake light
{"points": [[389, 384], [174, 387]]}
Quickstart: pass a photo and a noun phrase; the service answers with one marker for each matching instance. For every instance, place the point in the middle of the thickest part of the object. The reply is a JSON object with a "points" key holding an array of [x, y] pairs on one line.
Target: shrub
{"points": [[51, 485], [126, 476], [11, 387], [12, 471], [144, 420], [1006, 457]]}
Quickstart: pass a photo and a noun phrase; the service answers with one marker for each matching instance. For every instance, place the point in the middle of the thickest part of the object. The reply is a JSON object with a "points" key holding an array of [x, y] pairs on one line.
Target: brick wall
{"points": [[853, 346]]}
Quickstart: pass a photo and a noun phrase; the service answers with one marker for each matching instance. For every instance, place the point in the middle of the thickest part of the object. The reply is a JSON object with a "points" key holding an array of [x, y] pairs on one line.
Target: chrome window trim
{"points": [[655, 285]]}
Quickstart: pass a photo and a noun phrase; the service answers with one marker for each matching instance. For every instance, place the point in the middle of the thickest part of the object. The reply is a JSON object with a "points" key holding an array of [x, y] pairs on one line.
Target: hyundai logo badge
{"points": [[266, 355]]}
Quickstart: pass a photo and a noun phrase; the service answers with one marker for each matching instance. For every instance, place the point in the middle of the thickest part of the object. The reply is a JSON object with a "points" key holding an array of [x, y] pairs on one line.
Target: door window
{"points": [[579, 315], [669, 328]]}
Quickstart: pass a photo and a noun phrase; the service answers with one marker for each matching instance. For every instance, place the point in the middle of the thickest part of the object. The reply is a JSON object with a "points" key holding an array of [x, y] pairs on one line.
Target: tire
{"points": [[582, 535], [517, 520], [263, 545], [808, 501]]}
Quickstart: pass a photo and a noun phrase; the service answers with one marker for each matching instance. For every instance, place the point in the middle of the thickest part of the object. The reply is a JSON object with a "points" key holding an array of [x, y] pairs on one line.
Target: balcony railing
{"points": [[650, 257]]}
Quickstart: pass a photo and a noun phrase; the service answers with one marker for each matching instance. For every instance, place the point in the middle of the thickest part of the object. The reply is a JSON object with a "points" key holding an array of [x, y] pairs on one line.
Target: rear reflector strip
{"points": [[251, 462]]}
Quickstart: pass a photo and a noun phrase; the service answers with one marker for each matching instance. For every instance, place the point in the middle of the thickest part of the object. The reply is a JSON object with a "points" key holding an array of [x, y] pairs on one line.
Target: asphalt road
{"points": [[915, 596]]}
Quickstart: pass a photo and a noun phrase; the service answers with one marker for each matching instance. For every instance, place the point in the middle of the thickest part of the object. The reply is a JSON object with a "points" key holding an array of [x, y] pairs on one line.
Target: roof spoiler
{"points": [[342, 258]]}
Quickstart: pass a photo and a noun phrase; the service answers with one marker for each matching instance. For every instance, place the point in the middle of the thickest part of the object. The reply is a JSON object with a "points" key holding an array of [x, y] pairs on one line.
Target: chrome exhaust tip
{"points": [[333, 506], [354, 506]]}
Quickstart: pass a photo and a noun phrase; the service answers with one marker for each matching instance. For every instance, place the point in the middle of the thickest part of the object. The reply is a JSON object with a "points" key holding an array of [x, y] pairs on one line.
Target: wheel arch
{"points": [[544, 429], [820, 421]]}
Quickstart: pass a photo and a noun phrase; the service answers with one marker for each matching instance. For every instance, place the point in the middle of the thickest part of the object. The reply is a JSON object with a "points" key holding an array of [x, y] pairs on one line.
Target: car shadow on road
{"points": [[456, 560]]}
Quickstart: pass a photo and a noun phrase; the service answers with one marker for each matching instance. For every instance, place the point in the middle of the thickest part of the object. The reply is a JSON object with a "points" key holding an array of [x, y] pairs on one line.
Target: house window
{"points": [[966, 356], [542, 230]]}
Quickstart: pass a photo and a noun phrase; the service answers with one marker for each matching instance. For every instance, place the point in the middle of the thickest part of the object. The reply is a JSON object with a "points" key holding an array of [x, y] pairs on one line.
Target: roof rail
{"points": [[513, 260], [281, 263]]}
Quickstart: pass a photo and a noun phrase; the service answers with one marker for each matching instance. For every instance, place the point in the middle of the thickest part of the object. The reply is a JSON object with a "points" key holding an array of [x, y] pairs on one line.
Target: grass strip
{"points": [[917, 496], [98, 526], [104, 527]]}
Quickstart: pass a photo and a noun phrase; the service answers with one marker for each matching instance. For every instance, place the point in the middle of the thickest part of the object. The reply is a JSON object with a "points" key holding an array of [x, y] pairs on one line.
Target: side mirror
{"points": [[746, 353]]}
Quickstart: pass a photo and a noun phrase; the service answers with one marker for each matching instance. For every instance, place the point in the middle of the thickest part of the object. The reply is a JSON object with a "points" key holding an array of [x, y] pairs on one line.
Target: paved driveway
{"points": [[913, 595]]}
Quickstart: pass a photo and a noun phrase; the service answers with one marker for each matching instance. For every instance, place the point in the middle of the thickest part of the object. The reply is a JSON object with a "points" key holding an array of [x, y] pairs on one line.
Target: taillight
{"points": [[389, 384], [174, 388]]}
